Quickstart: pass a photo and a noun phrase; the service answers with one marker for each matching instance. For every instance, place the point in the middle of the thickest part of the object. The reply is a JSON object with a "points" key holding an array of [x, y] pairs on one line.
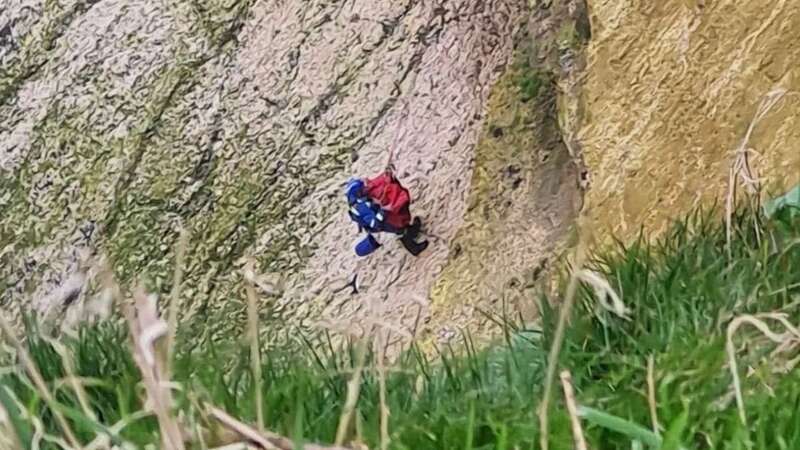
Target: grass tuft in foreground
{"points": [[682, 293]]}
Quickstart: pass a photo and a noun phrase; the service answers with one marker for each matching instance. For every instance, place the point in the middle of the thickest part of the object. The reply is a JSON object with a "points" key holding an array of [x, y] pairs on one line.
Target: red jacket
{"points": [[393, 198]]}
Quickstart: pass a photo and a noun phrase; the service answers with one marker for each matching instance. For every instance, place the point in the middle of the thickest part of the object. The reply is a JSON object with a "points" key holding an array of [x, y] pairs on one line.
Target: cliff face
{"points": [[527, 187], [123, 120], [651, 108], [674, 91]]}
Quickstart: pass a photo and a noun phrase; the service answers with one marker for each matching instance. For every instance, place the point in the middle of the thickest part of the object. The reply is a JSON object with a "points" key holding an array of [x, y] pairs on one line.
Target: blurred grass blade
{"points": [[672, 438], [255, 349], [37, 380], [614, 423], [89, 423], [21, 428], [790, 200], [470, 426]]}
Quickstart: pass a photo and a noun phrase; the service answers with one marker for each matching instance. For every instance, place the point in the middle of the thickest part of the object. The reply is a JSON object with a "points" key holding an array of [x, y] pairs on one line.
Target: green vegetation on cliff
{"points": [[683, 292]]}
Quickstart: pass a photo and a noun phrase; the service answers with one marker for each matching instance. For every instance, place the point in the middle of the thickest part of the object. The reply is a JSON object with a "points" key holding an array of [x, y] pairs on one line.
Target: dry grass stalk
{"points": [[572, 408], [651, 393], [146, 328], [255, 352], [353, 392], [384, 418], [740, 166], [270, 284], [354, 384], [339, 328], [103, 442], [242, 429], [419, 387], [263, 439], [39, 433], [603, 291], [235, 446], [38, 382], [175, 296], [8, 436], [792, 335], [385, 326], [555, 350], [69, 292]]}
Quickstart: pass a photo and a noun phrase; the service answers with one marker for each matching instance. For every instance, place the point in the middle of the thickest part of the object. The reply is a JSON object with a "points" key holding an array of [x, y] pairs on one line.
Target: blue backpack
{"points": [[367, 214]]}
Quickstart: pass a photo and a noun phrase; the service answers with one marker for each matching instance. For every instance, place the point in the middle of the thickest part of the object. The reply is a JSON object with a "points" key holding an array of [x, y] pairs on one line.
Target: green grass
{"points": [[529, 80], [529, 84], [683, 291]]}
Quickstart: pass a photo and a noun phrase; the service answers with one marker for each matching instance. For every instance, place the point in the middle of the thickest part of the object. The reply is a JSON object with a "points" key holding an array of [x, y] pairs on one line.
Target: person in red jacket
{"points": [[381, 204]]}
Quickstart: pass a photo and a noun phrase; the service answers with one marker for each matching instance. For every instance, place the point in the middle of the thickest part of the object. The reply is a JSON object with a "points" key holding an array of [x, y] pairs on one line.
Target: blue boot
{"points": [[367, 246]]}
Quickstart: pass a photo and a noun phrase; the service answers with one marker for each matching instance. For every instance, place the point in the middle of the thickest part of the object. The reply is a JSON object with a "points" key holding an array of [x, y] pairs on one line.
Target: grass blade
{"points": [[672, 438], [633, 430]]}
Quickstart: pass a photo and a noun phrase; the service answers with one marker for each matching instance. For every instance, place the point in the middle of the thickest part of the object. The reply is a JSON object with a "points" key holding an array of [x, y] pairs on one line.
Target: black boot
{"points": [[415, 227], [413, 247]]}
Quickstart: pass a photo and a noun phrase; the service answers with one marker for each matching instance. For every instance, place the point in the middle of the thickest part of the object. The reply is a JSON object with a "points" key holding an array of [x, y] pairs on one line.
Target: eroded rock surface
{"points": [[671, 90], [121, 120]]}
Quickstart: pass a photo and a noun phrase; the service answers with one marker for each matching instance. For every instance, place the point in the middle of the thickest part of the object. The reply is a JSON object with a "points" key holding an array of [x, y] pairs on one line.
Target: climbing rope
{"points": [[392, 150]]}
